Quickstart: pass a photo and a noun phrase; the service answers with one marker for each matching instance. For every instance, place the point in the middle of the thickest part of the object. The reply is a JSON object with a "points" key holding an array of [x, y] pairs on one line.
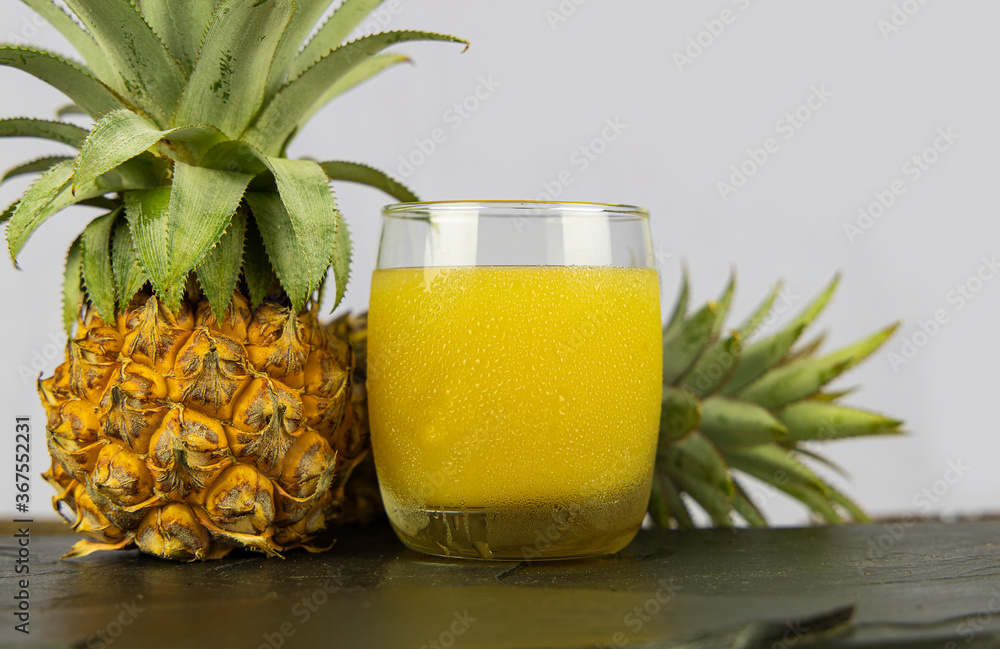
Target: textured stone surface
{"points": [[934, 584]]}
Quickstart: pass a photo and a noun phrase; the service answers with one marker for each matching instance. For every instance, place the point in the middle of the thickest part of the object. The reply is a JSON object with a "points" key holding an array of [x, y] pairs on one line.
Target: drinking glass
{"points": [[514, 379]]}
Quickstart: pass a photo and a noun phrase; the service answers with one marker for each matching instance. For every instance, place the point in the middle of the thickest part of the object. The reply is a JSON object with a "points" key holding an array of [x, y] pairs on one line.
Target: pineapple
{"points": [[751, 407], [201, 406]]}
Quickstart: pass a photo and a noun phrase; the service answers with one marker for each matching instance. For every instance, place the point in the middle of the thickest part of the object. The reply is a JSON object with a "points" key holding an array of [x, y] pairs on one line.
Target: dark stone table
{"points": [[915, 586]]}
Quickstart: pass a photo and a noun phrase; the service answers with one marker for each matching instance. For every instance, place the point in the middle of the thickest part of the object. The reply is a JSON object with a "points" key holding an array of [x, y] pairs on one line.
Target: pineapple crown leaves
{"points": [[194, 108], [734, 402]]}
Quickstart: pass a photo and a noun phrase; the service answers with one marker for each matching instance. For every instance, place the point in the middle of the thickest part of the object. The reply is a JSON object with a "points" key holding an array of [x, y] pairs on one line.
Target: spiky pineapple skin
{"points": [[188, 437], [360, 498]]}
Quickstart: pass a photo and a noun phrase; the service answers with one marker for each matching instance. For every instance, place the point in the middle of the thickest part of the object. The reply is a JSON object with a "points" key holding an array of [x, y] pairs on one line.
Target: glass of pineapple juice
{"points": [[514, 376]]}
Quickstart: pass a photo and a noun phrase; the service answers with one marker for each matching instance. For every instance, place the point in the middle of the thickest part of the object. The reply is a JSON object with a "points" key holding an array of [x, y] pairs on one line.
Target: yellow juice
{"points": [[526, 390]]}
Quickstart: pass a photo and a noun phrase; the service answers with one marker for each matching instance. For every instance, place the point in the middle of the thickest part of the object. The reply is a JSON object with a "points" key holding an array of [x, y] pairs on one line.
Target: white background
{"points": [[556, 82]]}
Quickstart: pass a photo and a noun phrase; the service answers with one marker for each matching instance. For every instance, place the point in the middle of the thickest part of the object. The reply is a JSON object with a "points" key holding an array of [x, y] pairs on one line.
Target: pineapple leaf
{"points": [[202, 204], [312, 209], [117, 137], [143, 69], [282, 246], [762, 356], [229, 80], [359, 173], [665, 503], [714, 367], [816, 457], [235, 156], [122, 135], [814, 308], [63, 132], [803, 351], [63, 75], [683, 344], [174, 227], [815, 498], [100, 202], [681, 306], [753, 322], [722, 310], [284, 113], [129, 274], [820, 420], [9, 212], [658, 508], [678, 508], [807, 376], [69, 109], [147, 215], [72, 295], [46, 197], [195, 142], [856, 513], [729, 423], [97, 275], [341, 259], [680, 414], [333, 33], [78, 38], [257, 269], [775, 466], [307, 13], [744, 506], [358, 75], [770, 463], [699, 469], [34, 166], [220, 269], [309, 204], [181, 28], [31, 209]]}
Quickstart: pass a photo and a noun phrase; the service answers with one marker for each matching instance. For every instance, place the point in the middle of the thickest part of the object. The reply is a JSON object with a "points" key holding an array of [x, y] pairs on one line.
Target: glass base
{"points": [[546, 533]]}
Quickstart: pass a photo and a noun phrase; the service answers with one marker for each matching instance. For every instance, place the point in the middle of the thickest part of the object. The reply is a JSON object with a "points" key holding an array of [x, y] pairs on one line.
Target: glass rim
{"points": [[528, 208]]}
